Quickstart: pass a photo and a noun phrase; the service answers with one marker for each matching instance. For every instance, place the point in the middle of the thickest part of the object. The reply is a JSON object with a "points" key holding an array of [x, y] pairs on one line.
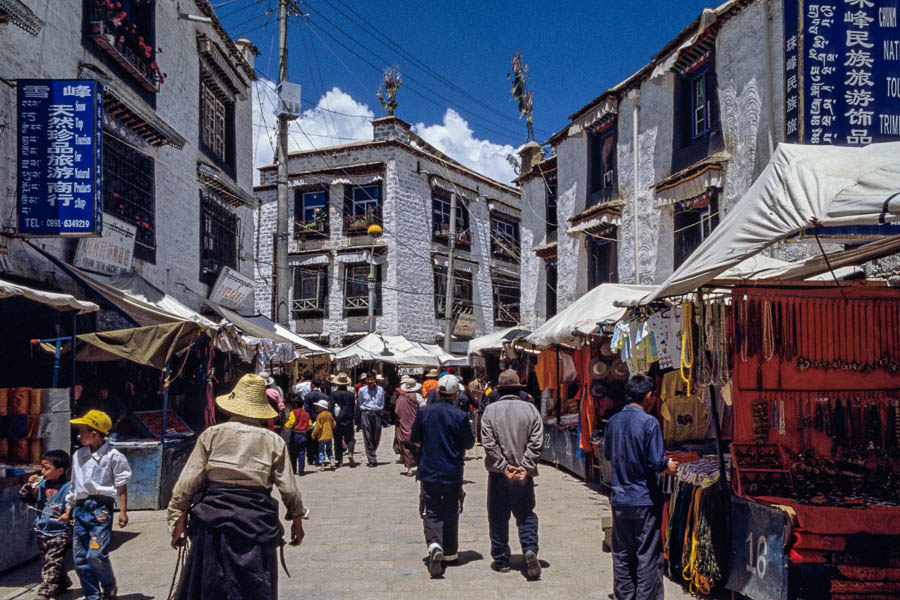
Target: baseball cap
{"points": [[95, 419], [448, 384]]}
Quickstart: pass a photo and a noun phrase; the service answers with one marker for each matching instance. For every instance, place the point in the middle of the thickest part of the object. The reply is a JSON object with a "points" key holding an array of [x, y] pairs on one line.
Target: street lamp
{"points": [[375, 232]]}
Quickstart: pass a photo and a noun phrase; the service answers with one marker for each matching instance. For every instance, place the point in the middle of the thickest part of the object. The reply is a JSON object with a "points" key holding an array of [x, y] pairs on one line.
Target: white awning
{"points": [[710, 176], [605, 219], [493, 342], [60, 302], [451, 187], [391, 349], [260, 326], [310, 260], [447, 359], [310, 180], [801, 186]]}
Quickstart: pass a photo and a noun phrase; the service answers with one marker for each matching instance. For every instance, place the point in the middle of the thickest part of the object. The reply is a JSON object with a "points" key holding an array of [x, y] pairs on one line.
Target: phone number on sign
{"points": [[77, 223]]}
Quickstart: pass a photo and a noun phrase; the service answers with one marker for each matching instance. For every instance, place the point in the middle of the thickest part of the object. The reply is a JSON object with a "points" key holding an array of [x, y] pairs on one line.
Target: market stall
{"points": [[34, 401]]}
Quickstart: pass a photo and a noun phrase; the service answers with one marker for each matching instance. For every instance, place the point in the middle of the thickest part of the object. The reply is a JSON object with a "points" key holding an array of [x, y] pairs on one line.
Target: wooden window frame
{"points": [[219, 236], [128, 192]]}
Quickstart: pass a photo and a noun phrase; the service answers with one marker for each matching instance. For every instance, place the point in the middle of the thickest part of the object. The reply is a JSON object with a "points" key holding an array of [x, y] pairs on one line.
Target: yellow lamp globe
{"points": [[375, 231]]}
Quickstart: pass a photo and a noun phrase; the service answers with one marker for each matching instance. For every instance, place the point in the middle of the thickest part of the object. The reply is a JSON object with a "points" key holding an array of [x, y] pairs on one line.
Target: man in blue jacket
{"points": [[634, 445], [444, 435]]}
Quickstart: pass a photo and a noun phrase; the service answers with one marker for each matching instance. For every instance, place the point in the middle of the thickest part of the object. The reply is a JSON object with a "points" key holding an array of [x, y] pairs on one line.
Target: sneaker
{"points": [[111, 594], [435, 561], [451, 559], [500, 567], [532, 565]]}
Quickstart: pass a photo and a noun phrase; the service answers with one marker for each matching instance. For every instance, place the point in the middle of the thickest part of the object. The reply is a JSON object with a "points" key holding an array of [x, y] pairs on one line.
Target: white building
{"points": [[402, 183], [177, 155]]}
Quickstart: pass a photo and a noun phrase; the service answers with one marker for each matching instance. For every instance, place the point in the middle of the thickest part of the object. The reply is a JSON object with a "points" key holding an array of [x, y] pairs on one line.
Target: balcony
{"points": [[360, 223], [463, 237], [139, 68], [303, 228], [307, 308], [356, 303], [507, 314], [505, 250]]}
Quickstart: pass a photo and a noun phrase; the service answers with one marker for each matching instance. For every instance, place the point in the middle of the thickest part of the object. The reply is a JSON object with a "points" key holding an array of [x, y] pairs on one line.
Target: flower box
{"points": [[137, 67], [463, 237], [359, 222], [308, 227], [501, 250]]}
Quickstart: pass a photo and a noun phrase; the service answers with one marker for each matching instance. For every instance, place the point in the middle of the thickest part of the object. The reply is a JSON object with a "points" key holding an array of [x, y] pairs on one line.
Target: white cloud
{"points": [[339, 119]]}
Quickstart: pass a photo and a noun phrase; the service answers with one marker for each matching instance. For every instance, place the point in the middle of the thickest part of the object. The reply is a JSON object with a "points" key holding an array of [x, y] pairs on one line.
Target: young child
{"points": [[324, 434], [298, 424], [99, 473], [48, 493]]}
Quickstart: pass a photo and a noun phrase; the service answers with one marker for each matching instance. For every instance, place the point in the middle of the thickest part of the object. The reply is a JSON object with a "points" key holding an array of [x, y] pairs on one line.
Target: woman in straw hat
{"points": [[226, 485], [407, 407]]}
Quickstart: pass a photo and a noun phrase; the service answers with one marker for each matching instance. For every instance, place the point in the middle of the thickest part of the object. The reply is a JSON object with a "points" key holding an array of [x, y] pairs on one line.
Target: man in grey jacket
{"points": [[512, 435]]}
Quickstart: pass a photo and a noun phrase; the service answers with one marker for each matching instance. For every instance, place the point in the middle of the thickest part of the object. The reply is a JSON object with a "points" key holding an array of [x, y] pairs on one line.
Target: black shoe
{"points": [[532, 565], [500, 567], [435, 561]]}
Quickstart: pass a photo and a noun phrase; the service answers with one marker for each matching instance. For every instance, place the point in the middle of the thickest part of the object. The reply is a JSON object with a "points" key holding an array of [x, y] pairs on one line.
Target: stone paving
{"points": [[364, 540]]}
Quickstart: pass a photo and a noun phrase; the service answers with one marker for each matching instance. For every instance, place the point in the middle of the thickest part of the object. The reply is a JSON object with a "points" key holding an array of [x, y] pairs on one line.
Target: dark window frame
{"points": [[700, 77], [505, 245], [602, 177], [691, 226], [505, 312], [603, 258], [303, 306], [129, 181], [304, 226], [220, 232], [357, 220], [551, 275], [440, 219], [356, 275], [463, 291], [551, 215], [217, 127]]}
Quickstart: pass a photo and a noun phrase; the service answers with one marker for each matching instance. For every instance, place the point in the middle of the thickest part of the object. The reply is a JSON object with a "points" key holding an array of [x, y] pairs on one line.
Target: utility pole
{"points": [[451, 279], [282, 276]]}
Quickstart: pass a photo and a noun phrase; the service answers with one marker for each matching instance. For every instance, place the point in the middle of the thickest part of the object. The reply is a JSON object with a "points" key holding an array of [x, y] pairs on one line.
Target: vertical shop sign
{"points": [[841, 71], [59, 156]]}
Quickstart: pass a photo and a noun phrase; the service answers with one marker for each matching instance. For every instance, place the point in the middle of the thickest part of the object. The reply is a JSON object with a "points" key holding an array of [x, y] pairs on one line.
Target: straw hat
{"points": [[410, 385], [432, 374], [619, 370], [599, 369], [598, 389], [323, 404], [248, 399], [606, 350], [267, 378], [341, 379]]}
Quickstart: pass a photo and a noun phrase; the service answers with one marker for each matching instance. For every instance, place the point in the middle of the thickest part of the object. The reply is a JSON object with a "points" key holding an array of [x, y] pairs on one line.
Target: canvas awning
{"points": [[582, 316], [447, 359], [493, 342], [260, 326], [800, 187], [391, 349], [60, 302]]}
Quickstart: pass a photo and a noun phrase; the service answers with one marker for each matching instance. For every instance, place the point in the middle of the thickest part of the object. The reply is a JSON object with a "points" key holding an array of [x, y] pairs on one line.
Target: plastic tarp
{"points": [[391, 349], [801, 186], [493, 342], [582, 316], [262, 327], [447, 359], [60, 302]]}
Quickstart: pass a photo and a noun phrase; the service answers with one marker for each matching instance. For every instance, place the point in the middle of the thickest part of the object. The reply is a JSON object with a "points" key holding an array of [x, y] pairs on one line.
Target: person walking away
{"points": [[226, 490], [343, 401], [370, 399], [298, 424], [309, 405], [430, 383], [512, 435], [99, 474], [48, 493], [634, 446], [444, 435], [302, 387], [323, 433], [407, 408]]}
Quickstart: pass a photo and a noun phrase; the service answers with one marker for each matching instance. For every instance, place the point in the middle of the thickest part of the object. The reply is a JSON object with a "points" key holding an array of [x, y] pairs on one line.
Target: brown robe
{"points": [[406, 409]]}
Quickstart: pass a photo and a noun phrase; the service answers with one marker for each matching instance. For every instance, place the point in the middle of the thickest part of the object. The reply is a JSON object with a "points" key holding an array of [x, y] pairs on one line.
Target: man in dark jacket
{"points": [[309, 400], [343, 404], [634, 445], [444, 434]]}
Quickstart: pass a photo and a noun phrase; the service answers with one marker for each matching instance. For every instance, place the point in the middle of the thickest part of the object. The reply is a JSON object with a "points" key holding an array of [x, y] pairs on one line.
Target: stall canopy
{"points": [[802, 186], [262, 327], [582, 316], [391, 349], [493, 342], [60, 302], [447, 359]]}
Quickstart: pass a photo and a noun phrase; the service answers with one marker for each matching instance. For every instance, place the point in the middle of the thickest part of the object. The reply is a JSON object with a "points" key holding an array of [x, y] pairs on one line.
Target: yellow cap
{"points": [[95, 419]]}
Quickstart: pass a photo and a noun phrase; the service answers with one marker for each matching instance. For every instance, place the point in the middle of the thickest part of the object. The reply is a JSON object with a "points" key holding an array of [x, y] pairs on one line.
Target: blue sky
{"points": [[454, 57]]}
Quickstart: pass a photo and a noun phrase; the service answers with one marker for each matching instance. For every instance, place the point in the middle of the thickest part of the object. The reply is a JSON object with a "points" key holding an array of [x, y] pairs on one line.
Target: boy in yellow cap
{"points": [[99, 473]]}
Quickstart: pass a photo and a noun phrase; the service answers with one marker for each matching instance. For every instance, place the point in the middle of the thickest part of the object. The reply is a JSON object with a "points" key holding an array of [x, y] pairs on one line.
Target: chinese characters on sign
{"points": [[841, 71], [231, 288], [59, 157], [110, 254]]}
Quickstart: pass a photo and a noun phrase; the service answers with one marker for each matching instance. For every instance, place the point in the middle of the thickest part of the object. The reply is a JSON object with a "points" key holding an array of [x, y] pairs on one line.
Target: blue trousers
{"points": [[505, 498], [298, 452], [637, 553], [92, 531], [325, 451]]}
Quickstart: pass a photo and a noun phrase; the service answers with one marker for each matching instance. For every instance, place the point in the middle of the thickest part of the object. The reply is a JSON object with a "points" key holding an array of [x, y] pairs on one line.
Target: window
{"points": [[505, 239], [550, 206], [356, 290], [602, 164], [602, 259], [218, 237], [216, 122], [440, 219], [125, 32], [310, 212], [362, 207], [128, 183], [462, 292], [550, 272], [694, 221], [310, 292], [700, 124], [506, 301]]}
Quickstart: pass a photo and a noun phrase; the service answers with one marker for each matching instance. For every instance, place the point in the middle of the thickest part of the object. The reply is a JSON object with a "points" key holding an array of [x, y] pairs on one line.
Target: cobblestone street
{"points": [[364, 540]]}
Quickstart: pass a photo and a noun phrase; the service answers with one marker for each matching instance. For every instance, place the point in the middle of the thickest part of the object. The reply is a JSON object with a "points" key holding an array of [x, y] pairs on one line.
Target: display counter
{"points": [[154, 469], [561, 449], [16, 523]]}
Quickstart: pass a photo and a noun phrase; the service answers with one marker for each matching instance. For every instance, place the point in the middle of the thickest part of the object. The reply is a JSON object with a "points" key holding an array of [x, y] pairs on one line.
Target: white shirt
{"points": [[97, 474], [302, 389]]}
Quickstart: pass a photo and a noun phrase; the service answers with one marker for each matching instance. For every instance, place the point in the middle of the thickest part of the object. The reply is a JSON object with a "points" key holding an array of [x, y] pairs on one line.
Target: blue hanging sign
{"points": [[59, 155], [841, 71]]}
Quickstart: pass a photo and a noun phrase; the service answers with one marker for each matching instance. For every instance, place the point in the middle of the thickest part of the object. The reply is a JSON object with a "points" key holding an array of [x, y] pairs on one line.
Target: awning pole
{"points": [[162, 435], [74, 339]]}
